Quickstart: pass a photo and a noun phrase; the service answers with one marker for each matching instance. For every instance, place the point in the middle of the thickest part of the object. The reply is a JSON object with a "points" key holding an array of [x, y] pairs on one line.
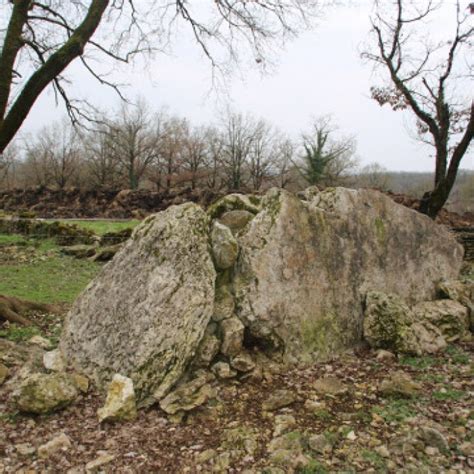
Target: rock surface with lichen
{"points": [[146, 313]]}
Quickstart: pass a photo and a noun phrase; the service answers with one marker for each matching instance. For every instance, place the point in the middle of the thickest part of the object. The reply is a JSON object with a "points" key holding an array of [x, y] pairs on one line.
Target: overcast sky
{"points": [[317, 74]]}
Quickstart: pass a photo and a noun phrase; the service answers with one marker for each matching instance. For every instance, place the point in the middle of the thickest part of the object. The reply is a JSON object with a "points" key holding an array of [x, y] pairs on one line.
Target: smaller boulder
{"points": [[399, 384], [120, 403], [223, 304], [450, 317], [224, 246], [58, 443], [232, 331], [44, 393], [236, 220], [207, 350]]}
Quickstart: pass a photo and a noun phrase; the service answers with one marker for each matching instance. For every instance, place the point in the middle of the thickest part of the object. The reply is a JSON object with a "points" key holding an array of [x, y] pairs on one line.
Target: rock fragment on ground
{"points": [[60, 442], [121, 402], [43, 393], [279, 399], [53, 361], [399, 384]]}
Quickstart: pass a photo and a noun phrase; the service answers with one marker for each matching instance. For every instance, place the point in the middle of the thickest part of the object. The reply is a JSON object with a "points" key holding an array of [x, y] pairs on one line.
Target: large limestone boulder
{"points": [[305, 266], [281, 274], [145, 314]]}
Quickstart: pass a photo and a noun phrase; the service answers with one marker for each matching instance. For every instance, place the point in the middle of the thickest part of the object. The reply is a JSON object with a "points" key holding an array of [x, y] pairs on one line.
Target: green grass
{"points": [[313, 467], [57, 279], [449, 395], [373, 458], [395, 411], [16, 333], [418, 362], [13, 239], [323, 414], [457, 355], [103, 227]]}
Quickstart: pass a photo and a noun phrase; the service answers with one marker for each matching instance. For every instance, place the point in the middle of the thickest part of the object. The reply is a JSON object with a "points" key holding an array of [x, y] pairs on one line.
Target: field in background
{"points": [[36, 270], [101, 227]]}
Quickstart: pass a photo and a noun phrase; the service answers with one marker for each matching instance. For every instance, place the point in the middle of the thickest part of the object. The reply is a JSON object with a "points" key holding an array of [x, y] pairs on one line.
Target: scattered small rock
{"points": [[53, 361], [40, 341], [320, 444], [222, 370], [25, 449], [329, 386], [385, 355], [399, 384], [242, 362], [58, 443], [432, 437], [283, 423], [279, 399], [104, 458], [189, 395]]}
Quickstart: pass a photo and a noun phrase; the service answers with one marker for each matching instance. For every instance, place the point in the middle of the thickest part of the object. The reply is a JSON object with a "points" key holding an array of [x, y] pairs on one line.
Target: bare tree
{"points": [[325, 158], [103, 167], [374, 176], [215, 147], [239, 135], [283, 165], [40, 39], [194, 153], [171, 148], [8, 165], [262, 155], [427, 77], [54, 155], [133, 138]]}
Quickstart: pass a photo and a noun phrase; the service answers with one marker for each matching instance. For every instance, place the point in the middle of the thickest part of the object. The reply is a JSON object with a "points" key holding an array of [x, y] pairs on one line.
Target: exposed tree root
{"points": [[14, 309]]}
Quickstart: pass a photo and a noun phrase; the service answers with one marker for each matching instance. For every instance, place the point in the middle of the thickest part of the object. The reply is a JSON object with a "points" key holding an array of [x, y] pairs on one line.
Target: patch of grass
{"points": [[457, 355], [395, 410], [12, 239], [56, 279], [323, 414], [103, 227], [449, 394], [313, 467], [373, 458], [418, 362], [17, 333], [436, 378]]}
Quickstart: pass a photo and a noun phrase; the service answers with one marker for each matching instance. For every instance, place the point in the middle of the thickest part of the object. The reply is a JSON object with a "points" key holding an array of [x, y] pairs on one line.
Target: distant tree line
{"points": [[138, 148]]}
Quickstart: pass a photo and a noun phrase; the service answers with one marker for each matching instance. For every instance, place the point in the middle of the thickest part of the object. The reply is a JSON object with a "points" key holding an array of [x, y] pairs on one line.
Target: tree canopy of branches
{"points": [[432, 78], [324, 158], [40, 39]]}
